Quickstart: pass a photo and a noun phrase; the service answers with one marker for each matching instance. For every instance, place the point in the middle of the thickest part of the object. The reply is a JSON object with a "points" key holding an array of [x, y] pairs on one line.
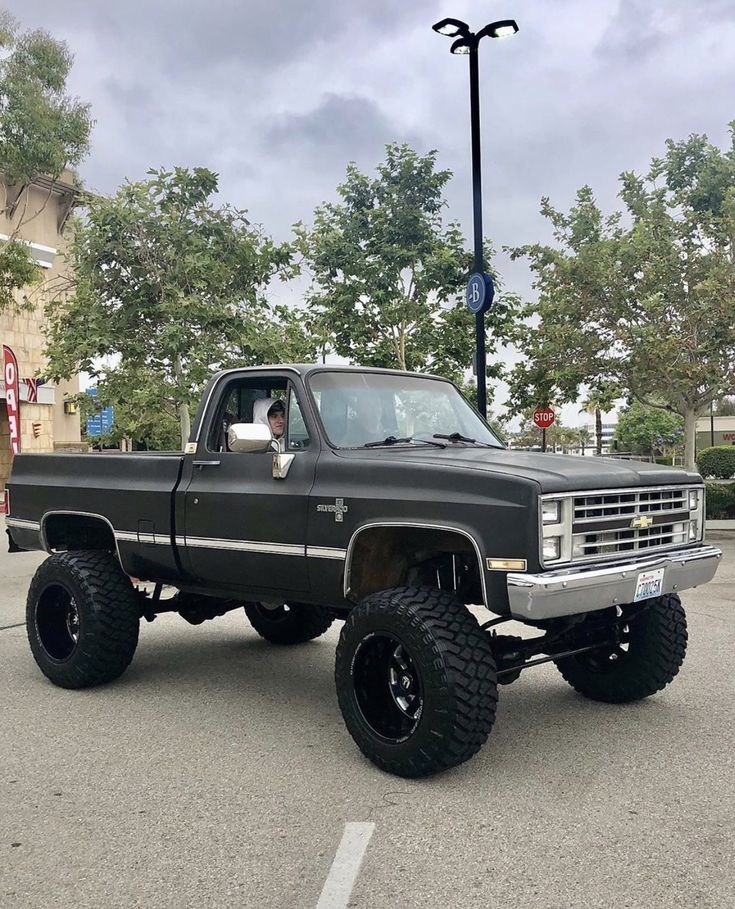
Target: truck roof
{"points": [[305, 368]]}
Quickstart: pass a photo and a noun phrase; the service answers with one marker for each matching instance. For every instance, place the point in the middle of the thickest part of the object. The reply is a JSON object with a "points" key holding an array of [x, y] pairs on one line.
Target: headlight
{"points": [[552, 548], [551, 512], [693, 499]]}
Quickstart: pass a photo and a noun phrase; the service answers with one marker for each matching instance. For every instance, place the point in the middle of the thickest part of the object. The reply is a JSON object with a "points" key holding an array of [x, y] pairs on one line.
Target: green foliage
{"points": [[718, 462], [387, 275], [720, 501], [17, 270], [649, 430], [559, 436], [42, 131], [169, 289], [647, 310], [725, 407]]}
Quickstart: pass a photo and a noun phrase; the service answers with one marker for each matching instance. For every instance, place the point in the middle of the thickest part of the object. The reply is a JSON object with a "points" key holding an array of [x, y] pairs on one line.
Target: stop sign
{"points": [[543, 417]]}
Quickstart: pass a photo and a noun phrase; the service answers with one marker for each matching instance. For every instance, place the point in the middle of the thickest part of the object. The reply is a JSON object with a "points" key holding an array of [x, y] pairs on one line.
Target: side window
{"points": [[297, 435], [239, 404]]}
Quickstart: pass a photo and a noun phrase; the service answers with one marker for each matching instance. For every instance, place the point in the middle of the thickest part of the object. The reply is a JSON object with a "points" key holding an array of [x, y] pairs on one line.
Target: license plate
{"points": [[650, 584]]}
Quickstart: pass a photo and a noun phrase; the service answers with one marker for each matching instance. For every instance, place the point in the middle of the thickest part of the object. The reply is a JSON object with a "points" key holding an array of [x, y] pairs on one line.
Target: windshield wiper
{"points": [[393, 440], [458, 437]]}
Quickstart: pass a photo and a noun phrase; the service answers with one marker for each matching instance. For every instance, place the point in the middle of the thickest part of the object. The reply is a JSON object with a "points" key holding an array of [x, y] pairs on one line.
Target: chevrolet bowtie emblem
{"points": [[641, 522]]}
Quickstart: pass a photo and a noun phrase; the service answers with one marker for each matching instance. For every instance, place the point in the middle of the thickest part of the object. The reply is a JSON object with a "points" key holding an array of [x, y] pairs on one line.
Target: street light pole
{"points": [[480, 287], [479, 265]]}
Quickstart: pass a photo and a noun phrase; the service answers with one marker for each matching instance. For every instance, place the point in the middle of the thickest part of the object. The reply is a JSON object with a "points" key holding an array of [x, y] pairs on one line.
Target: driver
{"points": [[272, 413]]}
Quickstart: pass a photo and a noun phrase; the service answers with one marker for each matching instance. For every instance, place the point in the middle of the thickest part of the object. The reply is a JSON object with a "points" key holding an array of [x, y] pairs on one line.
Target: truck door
{"points": [[243, 528]]}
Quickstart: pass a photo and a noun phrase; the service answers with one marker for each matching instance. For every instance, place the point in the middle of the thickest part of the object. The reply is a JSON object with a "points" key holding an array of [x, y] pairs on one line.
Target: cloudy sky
{"points": [[278, 96]]}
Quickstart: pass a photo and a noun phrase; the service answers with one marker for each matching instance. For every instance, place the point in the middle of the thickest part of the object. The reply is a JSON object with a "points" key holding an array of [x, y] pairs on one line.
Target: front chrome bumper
{"points": [[568, 591]]}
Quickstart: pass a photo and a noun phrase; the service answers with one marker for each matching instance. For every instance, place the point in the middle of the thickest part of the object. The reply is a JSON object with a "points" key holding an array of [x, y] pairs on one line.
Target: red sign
{"points": [[543, 417], [12, 397]]}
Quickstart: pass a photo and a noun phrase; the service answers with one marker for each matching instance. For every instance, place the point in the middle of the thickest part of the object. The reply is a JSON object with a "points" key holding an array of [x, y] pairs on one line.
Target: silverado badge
{"points": [[641, 522], [339, 509]]}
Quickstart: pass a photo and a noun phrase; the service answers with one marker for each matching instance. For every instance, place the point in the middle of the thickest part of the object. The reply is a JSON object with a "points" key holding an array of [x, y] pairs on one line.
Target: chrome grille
{"points": [[588, 508], [601, 522], [619, 523]]}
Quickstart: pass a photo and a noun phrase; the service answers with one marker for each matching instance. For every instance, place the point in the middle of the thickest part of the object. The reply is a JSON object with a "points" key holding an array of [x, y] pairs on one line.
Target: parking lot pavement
{"points": [[217, 773]]}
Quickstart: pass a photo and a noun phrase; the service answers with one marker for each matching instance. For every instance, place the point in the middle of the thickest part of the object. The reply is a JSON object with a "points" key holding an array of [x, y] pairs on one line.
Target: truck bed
{"points": [[133, 492]]}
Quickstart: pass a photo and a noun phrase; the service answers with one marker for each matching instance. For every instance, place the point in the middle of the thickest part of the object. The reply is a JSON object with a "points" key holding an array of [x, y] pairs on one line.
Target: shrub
{"points": [[720, 501], [717, 462]]}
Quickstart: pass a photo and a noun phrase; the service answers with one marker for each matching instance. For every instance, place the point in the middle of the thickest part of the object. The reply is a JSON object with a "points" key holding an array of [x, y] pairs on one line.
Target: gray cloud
{"points": [[340, 128], [277, 97]]}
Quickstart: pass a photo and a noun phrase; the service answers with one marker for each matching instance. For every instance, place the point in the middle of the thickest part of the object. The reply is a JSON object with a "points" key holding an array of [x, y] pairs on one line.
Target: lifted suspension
{"points": [[513, 654]]}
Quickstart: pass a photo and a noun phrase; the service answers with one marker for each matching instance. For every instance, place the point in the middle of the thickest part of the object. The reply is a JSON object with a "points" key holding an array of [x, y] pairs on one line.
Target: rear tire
{"points": [[416, 681], [656, 642], [82, 619], [289, 623]]}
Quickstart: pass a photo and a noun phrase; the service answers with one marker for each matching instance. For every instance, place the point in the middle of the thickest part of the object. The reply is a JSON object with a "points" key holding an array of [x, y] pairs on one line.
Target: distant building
{"points": [[46, 422], [609, 425], [724, 431]]}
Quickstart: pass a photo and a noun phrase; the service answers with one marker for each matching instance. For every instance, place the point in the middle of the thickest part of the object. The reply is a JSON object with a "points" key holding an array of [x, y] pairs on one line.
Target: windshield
{"points": [[360, 407]]}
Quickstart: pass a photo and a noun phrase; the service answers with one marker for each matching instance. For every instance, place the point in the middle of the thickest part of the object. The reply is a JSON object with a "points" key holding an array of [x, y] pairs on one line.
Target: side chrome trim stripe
{"points": [[247, 546], [130, 536], [325, 552], [22, 524]]}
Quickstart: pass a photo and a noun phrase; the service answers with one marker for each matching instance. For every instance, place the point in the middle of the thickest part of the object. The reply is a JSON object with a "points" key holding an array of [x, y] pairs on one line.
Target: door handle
{"points": [[207, 463]]}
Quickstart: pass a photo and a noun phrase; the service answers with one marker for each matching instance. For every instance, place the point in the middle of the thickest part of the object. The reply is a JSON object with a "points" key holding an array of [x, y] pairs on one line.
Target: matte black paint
{"points": [[491, 494]]}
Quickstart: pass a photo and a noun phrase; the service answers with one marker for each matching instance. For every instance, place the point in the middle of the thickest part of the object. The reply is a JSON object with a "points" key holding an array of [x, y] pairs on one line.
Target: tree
{"points": [[557, 435], [649, 430], [725, 407], [387, 274], [647, 310], [42, 131], [168, 289], [584, 438]]}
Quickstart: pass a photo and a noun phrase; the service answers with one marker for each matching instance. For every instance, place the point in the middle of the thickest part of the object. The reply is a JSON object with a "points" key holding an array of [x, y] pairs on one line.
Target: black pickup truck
{"points": [[386, 502]]}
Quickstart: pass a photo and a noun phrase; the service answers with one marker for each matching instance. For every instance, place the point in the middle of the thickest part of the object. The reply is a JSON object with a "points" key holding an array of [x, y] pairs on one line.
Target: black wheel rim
{"points": [[277, 612], [387, 687], [58, 623]]}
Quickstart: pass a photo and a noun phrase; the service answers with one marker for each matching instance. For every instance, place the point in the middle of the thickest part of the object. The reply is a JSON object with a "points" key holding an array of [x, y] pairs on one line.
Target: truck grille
{"points": [[604, 524]]}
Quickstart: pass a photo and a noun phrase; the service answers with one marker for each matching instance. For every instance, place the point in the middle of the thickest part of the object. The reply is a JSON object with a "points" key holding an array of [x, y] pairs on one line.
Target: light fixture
{"points": [[451, 27], [551, 512], [460, 46], [503, 28]]}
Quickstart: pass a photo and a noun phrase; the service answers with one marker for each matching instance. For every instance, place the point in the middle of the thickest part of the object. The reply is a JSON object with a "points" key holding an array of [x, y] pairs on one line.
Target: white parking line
{"points": [[346, 865]]}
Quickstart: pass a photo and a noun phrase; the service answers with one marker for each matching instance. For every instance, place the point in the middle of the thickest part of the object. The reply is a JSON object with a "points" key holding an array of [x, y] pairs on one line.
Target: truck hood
{"points": [[552, 472]]}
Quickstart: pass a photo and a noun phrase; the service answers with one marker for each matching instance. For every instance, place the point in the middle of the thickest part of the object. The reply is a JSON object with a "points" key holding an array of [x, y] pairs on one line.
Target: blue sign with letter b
{"points": [[480, 292]]}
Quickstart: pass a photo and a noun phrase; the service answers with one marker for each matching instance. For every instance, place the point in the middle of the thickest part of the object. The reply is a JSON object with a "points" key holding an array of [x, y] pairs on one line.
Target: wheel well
{"points": [[76, 531], [383, 557]]}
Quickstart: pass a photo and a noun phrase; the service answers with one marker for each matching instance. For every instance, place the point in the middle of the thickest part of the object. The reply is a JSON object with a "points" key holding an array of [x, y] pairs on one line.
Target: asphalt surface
{"points": [[217, 773]]}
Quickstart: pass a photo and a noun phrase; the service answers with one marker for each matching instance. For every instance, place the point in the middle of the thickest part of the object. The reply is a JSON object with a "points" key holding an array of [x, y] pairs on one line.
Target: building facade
{"points": [[718, 431], [36, 214]]}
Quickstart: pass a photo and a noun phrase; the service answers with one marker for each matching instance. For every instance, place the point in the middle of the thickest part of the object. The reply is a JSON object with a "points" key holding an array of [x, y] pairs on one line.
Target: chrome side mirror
{"points": [[281, 465], [249, 437]]}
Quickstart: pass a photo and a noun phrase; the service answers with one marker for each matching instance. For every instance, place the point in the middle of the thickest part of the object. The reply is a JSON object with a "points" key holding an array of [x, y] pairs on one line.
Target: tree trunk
{"points": [[183, 409], [402, 349], [185, 421], [598, 430], [690, 438]]}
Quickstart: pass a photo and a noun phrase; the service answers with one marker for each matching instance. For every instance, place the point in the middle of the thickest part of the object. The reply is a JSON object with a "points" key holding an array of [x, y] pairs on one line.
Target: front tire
{"points": [[288, 623], [650, 653], [416, 681], [82, 619]]}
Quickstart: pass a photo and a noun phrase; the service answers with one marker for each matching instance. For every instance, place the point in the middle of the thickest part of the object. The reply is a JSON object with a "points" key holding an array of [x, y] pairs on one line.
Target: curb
{"points": [[720, 525]]}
